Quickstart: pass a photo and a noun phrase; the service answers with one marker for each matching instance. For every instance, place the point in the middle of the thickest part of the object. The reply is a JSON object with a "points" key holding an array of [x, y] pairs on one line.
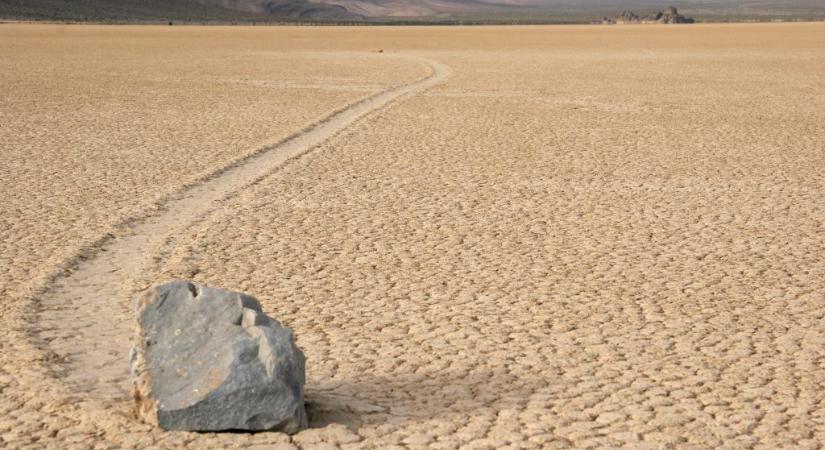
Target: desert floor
{"points": [[505, 237]]}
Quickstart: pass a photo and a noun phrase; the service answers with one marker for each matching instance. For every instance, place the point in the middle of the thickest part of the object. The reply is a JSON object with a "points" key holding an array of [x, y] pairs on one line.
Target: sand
{"points": [[581, 237]]}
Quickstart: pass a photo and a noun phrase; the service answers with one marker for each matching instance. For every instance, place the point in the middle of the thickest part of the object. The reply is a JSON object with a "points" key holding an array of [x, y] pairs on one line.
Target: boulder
{"points": [[209, 359]]}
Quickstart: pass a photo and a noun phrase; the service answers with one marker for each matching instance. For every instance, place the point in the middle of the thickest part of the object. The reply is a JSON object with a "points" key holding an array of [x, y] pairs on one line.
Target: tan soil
{"points": [[83, 315], [585, 237]]}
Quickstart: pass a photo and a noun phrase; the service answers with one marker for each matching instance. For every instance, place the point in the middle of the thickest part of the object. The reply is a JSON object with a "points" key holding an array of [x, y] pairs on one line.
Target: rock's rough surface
{"points": [[209, 359]]}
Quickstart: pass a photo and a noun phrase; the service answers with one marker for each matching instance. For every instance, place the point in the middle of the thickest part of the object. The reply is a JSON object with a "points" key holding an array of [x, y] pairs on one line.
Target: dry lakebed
{"points": [[482, 237]]}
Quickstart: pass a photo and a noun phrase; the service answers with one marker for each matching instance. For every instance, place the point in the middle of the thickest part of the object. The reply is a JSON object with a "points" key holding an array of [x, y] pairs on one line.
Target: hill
{"points": [[569, 11], [172, 10]]}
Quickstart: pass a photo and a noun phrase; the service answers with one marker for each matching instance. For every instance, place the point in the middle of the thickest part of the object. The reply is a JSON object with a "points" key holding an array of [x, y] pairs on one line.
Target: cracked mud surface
{"points": [[585, 237], [85, 313]]}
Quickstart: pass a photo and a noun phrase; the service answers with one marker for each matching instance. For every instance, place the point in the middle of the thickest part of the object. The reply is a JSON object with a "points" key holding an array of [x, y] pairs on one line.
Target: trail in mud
{"points": [[86, 316]]}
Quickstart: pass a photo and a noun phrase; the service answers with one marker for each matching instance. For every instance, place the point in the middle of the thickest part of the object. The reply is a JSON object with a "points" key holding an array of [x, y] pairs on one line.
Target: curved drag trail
{"points": [[86, 316]]}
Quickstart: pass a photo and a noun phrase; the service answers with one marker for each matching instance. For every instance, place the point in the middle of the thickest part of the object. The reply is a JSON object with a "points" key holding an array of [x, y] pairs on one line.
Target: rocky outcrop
{"points": [[209, 359], [668, 16]]}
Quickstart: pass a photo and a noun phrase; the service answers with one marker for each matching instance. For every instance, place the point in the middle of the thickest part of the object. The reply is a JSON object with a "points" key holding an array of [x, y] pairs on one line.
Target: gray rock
{"points": [[209, 359], [669, 16]]}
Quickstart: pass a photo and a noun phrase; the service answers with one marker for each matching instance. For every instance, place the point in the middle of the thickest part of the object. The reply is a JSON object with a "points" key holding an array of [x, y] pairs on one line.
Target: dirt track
{"points": [[86, 316], [585, 237]]}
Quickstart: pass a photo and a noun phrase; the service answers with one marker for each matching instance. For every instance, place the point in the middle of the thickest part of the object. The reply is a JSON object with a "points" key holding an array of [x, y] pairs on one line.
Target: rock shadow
{"points": [[370, 400]]}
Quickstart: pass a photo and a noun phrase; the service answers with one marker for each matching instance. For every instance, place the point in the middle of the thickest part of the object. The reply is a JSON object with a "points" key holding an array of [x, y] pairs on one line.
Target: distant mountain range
{"points": [[396, 10]]}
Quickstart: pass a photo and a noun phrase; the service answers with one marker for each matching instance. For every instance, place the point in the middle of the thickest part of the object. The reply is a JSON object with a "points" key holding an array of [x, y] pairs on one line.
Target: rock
{"points": [[209, 359], [628, 17], [671, 15], [668, 16]]}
